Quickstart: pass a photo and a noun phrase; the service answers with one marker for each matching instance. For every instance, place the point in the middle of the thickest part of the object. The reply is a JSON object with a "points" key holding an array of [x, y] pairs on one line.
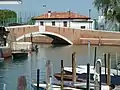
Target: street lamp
{"points": [[89, 18], [10, 1]]}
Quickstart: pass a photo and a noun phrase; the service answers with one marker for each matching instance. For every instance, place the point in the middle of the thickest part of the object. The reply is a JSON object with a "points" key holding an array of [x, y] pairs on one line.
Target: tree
{"points": [[110, 9], [7, 16], [31, 21]]}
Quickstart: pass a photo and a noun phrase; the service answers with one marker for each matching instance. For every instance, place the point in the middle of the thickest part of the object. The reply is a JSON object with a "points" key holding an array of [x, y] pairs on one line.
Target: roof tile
{"points": [[61, 15]]}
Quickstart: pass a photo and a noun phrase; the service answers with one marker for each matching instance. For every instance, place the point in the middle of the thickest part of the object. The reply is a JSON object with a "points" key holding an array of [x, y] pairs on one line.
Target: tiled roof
{"points": [[60, 15]]}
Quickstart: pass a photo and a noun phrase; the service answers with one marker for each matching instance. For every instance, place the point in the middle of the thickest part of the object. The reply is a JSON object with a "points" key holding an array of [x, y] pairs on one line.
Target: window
{"points": [[65, 23], [53, 23], [41, 23], [82, 27]]}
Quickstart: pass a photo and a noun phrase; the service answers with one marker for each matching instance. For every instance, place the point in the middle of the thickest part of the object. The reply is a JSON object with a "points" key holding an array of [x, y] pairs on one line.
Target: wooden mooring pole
{"points": [[31, 40], [73, 68], [38, 71], [62, 72], [88, 76], [95, 56], [108, 71], [22, 83], [105, 67], [88, 68]]}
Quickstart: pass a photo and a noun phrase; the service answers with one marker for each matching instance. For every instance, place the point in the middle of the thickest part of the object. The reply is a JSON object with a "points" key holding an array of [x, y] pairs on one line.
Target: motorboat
{"points": [[68, 85], [81, 72], [53, 86], [83, 69]]}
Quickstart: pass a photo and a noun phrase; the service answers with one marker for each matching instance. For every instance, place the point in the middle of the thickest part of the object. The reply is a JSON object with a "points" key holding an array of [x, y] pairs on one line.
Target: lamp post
{"points": [[89, 17], [69, 17]]}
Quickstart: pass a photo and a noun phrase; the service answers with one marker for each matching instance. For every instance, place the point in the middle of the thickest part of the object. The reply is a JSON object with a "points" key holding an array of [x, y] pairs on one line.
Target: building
{"points": [[107, 25], [64, 19]]}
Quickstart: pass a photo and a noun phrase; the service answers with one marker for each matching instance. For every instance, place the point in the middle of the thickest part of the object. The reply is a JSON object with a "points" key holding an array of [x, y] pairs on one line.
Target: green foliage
{"points": [[110, 8], [31, 22], [7, 16]]}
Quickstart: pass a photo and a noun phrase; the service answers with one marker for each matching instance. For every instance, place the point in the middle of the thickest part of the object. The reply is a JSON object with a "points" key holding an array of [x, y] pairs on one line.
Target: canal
{"points": [[10, 70]]}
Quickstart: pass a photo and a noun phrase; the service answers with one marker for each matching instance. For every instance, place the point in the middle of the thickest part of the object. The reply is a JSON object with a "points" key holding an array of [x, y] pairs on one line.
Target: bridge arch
{"points": [[49, 34]]}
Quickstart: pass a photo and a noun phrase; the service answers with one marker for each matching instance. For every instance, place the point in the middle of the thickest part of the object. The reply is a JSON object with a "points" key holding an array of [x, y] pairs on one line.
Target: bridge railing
{"points": [[21, 26]]}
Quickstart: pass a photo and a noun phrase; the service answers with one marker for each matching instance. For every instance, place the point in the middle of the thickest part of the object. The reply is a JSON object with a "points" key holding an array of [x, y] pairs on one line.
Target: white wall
{"points": [[70, 23], [78, 25]]}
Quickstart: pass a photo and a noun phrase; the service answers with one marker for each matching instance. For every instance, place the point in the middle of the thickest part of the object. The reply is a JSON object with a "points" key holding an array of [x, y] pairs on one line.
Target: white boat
{"points": [[54, 87], [82, 86], [83, 69], [92, 86]]}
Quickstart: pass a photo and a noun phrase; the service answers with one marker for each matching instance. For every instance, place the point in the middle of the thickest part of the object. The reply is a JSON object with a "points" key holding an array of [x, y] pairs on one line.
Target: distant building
{"points": [[107, 25], [64, 19]]}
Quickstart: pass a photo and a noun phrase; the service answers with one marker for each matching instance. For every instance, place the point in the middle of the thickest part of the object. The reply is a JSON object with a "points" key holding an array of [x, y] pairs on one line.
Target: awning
{"points": [[10, 1]]}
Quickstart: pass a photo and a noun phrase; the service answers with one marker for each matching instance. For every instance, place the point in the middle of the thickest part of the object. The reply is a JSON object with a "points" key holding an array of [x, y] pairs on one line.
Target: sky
{"points": [[36, 7]]}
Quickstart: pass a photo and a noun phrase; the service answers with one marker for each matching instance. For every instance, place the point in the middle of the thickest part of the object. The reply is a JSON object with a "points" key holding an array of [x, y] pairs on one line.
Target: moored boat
{"points": [[67, 77], [83, 69], [19, 54], [53, 86]]}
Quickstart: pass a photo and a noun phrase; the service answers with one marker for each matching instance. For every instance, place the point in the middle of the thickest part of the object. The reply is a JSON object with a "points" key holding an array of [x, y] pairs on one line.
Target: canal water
{"points": [[10, 70]]}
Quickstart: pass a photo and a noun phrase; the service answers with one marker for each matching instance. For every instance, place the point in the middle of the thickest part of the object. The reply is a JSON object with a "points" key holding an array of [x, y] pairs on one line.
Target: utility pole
{"points": [[89, 18], [69, 18]]}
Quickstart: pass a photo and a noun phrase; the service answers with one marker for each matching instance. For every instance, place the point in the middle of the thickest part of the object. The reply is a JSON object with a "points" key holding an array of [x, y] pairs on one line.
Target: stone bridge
{"points": [[62, 35]]}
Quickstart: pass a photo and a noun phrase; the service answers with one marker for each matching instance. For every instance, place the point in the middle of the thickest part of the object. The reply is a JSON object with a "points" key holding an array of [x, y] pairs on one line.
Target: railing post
{"points": [[108, 67], [62, 70]]}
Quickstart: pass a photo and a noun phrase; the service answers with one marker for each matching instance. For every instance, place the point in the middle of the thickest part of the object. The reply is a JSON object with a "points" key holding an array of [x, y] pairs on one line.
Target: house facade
{"points": [[64, 19]]}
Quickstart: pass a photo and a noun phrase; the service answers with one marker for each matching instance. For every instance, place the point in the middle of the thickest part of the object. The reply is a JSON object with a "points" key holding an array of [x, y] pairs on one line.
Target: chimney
{"points": [[49, 14]]}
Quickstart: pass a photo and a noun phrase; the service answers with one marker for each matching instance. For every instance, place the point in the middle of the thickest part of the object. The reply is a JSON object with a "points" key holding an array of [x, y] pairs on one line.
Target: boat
{"points": [[53, 86], [67, 77], [19, 54], [83, 69], [68, 85]]}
